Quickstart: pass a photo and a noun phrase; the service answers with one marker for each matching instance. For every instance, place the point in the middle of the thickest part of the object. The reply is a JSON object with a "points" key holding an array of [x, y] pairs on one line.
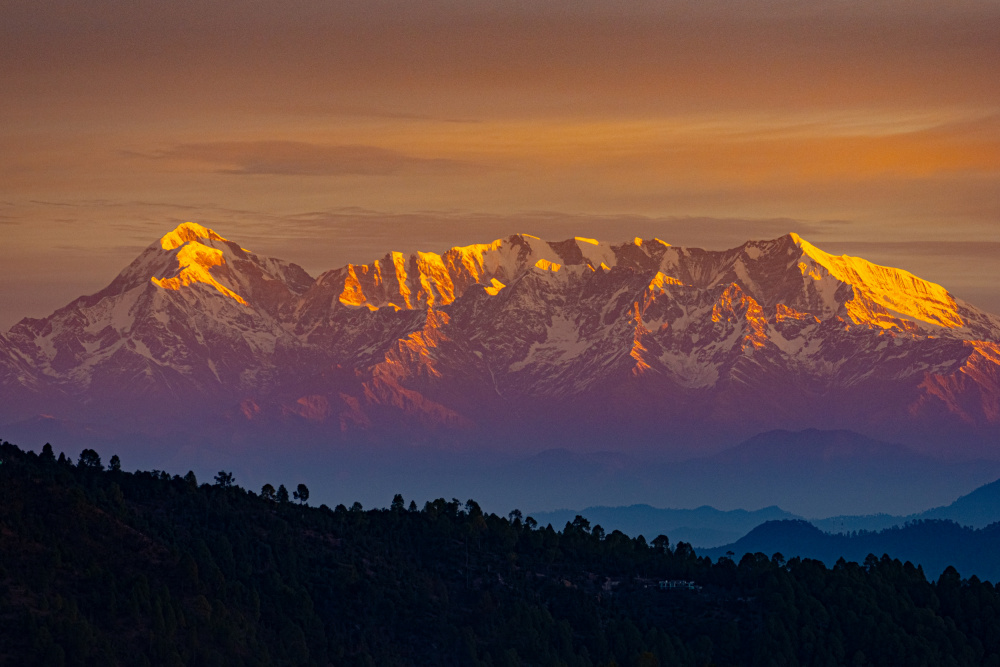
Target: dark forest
{"points": [[99, 566]]}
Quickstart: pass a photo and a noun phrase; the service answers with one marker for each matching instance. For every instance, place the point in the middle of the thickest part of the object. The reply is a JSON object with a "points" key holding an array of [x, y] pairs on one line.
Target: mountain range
{"points": [[518, 344], [964, 534], [708, 527]]}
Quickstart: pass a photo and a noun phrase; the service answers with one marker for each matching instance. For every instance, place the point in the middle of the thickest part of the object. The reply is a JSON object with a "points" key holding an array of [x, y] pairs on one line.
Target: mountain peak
{"points": [[195, 255], [187, 232], [798, 240]]}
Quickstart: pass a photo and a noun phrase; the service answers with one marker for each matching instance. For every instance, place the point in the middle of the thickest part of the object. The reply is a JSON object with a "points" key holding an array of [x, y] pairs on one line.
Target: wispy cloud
{"points": [[295, 158]]}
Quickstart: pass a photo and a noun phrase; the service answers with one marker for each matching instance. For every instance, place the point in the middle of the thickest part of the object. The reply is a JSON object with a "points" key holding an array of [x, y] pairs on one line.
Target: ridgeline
{"points": [[104, 567]]}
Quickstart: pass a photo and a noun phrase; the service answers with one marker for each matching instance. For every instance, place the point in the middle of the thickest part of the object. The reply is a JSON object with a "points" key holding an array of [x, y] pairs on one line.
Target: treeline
{"points": [[103, 567], [935, 544]]}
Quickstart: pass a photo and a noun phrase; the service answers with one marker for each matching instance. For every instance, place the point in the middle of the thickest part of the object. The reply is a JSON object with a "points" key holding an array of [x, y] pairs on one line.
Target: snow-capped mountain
{"points": [[636, 344]]}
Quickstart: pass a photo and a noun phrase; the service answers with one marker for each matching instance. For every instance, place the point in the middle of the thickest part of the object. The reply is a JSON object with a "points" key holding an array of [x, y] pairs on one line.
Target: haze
{"points": [[324, 133]]}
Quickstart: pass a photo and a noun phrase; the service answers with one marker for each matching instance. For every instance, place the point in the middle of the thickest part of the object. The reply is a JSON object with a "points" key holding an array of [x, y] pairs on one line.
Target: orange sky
{"points": [[326, 132]]}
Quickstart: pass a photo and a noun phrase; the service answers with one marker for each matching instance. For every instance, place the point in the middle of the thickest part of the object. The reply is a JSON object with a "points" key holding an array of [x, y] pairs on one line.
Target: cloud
{"points": [[295, 158], [65, 204]]}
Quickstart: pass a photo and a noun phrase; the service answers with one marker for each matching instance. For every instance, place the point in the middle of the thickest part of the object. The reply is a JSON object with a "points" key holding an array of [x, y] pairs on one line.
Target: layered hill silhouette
{"points": [[977, 509], [518, 343], [810, 473], [933, 544], [708, 527]]}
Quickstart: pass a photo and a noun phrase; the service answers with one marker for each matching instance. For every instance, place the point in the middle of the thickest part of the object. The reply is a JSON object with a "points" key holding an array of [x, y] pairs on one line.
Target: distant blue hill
{"points": [[933, 544], [708, 527], [977, 510], [814, 473]]}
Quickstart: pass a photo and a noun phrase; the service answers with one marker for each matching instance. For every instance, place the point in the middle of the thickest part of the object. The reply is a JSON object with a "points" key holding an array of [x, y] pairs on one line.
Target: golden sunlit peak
{"points": [[546, 265], [194, 260], [187, 232], [586, 240], [893, 289]]}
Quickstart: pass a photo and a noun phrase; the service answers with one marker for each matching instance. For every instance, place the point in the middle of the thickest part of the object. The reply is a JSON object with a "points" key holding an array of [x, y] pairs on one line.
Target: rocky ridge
{"points": [[520, 338]]}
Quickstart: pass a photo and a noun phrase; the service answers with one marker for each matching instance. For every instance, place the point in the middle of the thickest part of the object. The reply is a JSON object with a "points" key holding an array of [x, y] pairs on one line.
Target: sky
{"points": [[332, 132]]}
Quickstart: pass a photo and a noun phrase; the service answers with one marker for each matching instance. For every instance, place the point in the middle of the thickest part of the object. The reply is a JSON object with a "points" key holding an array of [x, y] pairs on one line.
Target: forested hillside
{"points": [[103, 567]]}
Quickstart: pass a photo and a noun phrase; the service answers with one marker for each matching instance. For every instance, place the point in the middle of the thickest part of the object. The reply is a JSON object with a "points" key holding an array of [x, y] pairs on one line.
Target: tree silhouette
{"points": [[282, 495], [267, 492], [90, 459], [115, 464], [581, 524], [301, 493], [224, 479], [397, 503]]}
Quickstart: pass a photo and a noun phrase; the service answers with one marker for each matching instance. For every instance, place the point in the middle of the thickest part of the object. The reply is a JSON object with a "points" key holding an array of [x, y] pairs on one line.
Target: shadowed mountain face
{"points": [[518, 344]]}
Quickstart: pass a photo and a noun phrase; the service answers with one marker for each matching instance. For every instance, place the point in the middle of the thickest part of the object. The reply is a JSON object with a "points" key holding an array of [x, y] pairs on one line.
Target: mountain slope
{"points": [[190, 323], [570, 343], [934, 545], [977, 509]]}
